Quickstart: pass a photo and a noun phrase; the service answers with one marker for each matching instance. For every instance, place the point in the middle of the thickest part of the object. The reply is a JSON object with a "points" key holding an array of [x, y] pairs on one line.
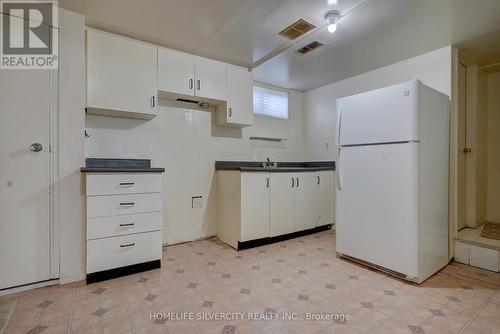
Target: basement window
{"points": [[270, 102]]}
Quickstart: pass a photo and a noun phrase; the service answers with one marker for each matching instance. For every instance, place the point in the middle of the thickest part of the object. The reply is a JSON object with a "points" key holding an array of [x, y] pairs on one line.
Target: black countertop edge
{"points": [[282, 166], [120, 170], [106, 165], [281, 169]]}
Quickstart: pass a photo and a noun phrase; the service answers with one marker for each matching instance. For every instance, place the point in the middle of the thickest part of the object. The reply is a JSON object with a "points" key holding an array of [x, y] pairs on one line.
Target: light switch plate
{"points": [[197, 202]]}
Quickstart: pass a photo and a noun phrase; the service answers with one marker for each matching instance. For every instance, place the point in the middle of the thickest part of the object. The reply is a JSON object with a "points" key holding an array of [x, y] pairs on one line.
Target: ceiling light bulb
{"points": [[332, 17]]}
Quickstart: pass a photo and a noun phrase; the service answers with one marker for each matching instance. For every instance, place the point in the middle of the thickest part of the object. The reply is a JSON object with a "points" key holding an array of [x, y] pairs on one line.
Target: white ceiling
{"points": [[375, 33]]}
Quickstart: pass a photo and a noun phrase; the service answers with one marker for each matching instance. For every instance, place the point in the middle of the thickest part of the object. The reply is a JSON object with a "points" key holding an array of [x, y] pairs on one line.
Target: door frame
{"points": [[54, 192]]}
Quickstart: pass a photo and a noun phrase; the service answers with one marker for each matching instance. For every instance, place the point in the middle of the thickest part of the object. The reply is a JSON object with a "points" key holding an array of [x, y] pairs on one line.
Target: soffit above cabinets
{"points": [[242, 32]]}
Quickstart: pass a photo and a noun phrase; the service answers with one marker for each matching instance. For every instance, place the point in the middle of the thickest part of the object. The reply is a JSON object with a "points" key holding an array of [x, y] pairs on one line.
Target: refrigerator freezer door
{"points": [[376, 208], [380, 116]]}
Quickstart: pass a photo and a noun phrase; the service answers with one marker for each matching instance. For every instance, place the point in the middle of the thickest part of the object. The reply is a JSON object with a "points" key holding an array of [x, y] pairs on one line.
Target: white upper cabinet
{"points": [[175, 72], [210, 78], [190, 76], [121, 76], [238, 112]]}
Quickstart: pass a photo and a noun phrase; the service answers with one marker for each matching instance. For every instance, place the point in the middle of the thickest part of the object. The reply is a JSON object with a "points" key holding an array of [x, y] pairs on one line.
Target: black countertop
{"points": [[282, 167], [99, 165]]}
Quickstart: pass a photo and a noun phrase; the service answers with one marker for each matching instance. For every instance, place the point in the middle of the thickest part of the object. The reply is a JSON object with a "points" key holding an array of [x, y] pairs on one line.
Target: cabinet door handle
{"points": [[267, 182], [230, 111], [127, 203], [198, 83], [190, 83], [153, 101], [127, 183], [293, 182], [319, 179], [128, 224], [127, 245], [297, 182]]}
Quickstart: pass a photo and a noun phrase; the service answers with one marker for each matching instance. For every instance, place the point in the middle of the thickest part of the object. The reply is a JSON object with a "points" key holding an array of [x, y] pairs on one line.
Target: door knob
{"points": [[467, 150], [36, 147]]}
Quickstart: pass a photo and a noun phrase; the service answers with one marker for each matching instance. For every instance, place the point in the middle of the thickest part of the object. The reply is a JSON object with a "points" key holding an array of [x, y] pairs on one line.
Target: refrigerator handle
{"points": [[339, 176], [339, 123]]}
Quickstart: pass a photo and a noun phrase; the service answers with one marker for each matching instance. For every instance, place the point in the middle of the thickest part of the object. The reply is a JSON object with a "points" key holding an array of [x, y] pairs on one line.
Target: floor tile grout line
{"points": [[469, 322], [71, 312], [405, 306], [9, 317], [130, 317], [478, 279]]}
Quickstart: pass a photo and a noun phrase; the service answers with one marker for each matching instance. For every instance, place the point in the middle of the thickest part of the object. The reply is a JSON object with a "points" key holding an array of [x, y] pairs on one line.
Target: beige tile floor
{"points": [[293, 277]]}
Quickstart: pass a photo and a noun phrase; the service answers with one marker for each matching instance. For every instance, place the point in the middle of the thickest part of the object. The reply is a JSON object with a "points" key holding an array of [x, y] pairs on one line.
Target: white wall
{"points": [[493, 147], [69, 186], [187, 144], [433, 69]]}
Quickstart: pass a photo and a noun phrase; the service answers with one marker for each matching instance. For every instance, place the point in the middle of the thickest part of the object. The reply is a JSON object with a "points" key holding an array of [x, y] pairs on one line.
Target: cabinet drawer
{"points": [[103, 206], [102, 227], [123, 183], [115, 252]]}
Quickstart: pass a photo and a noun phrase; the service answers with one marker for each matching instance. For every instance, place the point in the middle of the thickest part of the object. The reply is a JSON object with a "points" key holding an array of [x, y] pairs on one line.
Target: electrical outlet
{"points": [[327, 146], [197, 202]]}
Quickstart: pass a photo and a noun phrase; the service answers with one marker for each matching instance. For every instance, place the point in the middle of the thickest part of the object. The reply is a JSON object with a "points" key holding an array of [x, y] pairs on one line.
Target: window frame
{"points": [[278, 89]]}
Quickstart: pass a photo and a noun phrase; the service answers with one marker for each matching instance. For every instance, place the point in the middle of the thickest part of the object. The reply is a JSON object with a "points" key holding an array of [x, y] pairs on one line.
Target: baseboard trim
{"points": [[27, 287], [266, 241], [122, 271]]}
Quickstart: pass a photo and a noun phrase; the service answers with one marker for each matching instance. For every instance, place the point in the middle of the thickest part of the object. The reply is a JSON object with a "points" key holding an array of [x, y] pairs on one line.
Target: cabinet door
{"points": [[305, 211], [175, 72], [121, 76], [325, 197], [210, 79], [238, 112], [281, 204], [254, 206]]}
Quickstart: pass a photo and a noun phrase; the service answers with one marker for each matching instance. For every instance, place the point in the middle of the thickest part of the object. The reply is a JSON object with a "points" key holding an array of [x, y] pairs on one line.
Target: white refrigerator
{"points": [[392, 179]]}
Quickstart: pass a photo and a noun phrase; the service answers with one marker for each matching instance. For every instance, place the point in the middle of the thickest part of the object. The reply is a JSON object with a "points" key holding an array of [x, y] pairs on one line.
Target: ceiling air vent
{"points": [[297, 29], [309, 47]]}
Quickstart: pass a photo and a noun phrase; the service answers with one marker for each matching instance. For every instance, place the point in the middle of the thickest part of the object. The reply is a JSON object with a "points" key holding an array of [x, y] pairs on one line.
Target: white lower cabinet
{"points": [[292, 202], [324, 197], [281, 204], [110, 253], [254, 206], [303, 201], [242, 206], [124, 223], [258, 205]]}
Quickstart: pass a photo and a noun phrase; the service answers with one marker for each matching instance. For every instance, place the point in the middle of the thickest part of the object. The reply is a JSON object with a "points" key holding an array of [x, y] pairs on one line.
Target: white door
{"points": [[303, 197], [239, 96], [325, 197], [25, 100], [462, 145], [210, 79], [381, 116], [376, 211], [254, 206], [121, 74], [175, 72], [281, 204]]}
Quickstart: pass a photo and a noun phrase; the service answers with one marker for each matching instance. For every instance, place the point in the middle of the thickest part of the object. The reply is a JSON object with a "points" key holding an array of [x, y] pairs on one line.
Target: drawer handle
{"points": [[127, 245], [127, 183], [127, 203], [128, 224]]}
